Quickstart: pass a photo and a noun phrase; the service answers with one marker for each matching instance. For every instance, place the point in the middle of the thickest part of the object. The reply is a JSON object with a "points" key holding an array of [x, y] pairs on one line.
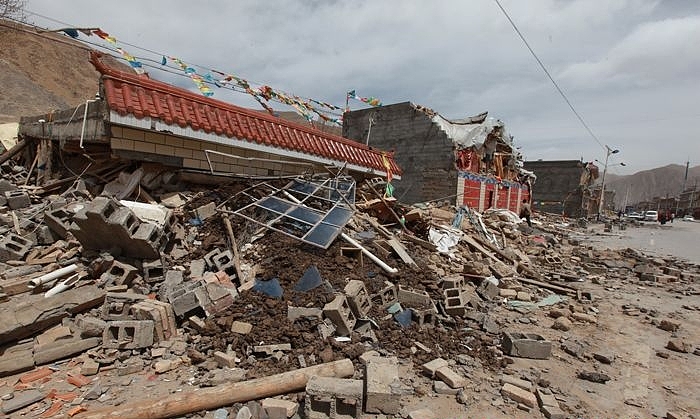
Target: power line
{"points": [[561, 92]]}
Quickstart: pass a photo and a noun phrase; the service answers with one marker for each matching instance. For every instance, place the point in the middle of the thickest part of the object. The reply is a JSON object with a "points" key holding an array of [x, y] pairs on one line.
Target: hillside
{"points": [[647, 184], [42, 72]]}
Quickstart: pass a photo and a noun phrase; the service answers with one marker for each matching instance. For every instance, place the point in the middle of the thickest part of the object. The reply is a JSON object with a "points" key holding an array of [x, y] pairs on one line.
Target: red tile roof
{"points": [[140, 96]]}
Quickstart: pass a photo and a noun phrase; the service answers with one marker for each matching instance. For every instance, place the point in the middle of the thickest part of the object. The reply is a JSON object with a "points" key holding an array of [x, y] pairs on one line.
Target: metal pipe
{"points": [[36, 282]]}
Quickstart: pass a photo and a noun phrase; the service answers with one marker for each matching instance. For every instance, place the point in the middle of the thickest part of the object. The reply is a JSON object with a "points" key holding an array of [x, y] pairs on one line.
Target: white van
{"points": [[651, 216]]}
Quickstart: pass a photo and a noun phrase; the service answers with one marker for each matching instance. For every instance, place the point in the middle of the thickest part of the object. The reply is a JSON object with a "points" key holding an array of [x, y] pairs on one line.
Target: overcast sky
{"points": [[630, 67]]}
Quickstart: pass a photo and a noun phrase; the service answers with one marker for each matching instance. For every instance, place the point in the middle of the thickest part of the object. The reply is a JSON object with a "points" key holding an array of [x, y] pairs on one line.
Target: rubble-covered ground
{"points": [[159, 299]]}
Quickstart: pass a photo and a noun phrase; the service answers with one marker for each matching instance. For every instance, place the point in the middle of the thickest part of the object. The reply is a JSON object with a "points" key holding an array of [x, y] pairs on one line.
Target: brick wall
{"points": [[557, 189], [422, 149], [189, 153]]}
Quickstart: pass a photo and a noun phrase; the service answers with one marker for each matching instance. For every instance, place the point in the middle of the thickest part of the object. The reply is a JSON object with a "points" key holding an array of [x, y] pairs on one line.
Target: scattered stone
{"points": [[562, 323], [595, 377], [604, 357], [22, 399], [678, 345], [89, 367], [583, 317], [440, 387], [519, 395], [422, 414], [669, 325], [663, 354], [573, 348]]}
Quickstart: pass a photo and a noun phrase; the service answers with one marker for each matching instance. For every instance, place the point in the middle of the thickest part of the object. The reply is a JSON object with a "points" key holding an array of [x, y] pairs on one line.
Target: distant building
{"points": [[469, 162], [689, 203], [564, 187]]}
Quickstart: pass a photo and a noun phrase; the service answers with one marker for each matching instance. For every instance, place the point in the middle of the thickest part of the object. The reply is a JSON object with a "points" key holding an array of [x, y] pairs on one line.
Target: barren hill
{"points": [[648, 184], [41, 72]]}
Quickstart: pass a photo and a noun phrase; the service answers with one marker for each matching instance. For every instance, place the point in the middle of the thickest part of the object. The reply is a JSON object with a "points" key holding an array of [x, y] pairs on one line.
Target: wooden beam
{"points": [[182, 403]]}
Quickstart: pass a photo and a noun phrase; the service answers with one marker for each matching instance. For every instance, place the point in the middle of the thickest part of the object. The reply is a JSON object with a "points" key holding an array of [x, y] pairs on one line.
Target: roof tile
{"points": [[129, 94]]}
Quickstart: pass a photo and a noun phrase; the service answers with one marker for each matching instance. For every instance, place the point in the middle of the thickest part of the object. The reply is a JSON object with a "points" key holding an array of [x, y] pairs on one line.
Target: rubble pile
{"points": [[176, 290]]}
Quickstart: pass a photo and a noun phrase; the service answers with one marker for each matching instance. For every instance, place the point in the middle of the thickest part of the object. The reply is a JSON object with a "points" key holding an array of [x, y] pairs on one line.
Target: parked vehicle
{"points": [[651, 216], [688, 218], [635, 216]]}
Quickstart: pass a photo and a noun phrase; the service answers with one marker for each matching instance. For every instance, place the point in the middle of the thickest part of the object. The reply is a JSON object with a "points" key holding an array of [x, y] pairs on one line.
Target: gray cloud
{"points": [[629, 66]]}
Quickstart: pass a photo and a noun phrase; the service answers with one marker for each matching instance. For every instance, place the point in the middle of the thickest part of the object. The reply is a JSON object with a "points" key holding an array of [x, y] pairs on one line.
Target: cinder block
{"points": [[162, 315], [148, 241], [387, 296], [17, 199], [337, 398], [424, 317], [209, 258], [184, 299], [381, 386], [118, 274], [358, 298], [117, 305], [413, 298], [453, 281], [339, 312], [14, 247], [224, 262], [58, 220], [153, 271], [128, 334], [526, 345]]}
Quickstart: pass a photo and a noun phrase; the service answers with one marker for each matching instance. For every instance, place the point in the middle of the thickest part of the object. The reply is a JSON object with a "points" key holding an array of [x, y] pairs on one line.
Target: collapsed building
{"points": [[469, 162], [565, 187]]}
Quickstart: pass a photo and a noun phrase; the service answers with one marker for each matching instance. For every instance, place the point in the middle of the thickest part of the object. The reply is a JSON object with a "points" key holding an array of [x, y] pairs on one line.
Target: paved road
{"points": [[680, 239]]}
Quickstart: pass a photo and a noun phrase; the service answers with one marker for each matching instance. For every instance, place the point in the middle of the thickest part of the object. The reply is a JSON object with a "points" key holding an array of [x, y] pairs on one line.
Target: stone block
{"points": [[128, 334], [441, 387], [17, 199], [225, 359], [22, 399], [339, 312], [89, 367], [430, 368], [509, 379], [337, 398], [488, 290], [422, 414], [519, 395], [382, 386], [526, 345], [205, 211], [450, 377], [508, 293], [358, 298], [289, 407], [241, 328]]}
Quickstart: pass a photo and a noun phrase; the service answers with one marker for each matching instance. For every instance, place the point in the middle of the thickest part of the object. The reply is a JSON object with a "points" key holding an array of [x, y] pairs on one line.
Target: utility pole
{"points": [[685, 179], [608, 152]]}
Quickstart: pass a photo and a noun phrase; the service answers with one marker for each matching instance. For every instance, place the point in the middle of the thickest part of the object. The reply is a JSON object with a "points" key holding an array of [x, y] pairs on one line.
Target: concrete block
{"points": [[358, 298], [153, 271], [118, 274], [426, 317], [22, 399], [161, 313], [450, 377], [440, 387], [58, 220], [128, 334], [413, 298], [339, 312], [89, 367], [14, 247], [381, 386], [337, 398], [197, 268], [289, 407], [453, 281], [205, 211], [224, 262], [509, 379], [148, 241], [526, 345], [508, 293], [17, 199], [117, 305], [183, 298], [519, 395], [387, 296], [553, 412], [209, 258], [294, 313], [430, 368]]}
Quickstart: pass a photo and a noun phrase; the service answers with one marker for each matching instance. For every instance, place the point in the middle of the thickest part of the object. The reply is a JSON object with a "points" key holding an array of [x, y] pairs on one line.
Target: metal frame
{"points": [[312, 211]]}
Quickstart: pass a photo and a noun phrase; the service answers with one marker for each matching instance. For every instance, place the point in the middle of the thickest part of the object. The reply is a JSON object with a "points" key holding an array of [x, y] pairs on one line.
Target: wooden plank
{"points": [[551, 287], [401, 251]]}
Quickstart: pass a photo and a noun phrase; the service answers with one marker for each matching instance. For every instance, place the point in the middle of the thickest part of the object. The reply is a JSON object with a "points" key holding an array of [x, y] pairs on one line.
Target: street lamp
{"points": [[608, 152]]}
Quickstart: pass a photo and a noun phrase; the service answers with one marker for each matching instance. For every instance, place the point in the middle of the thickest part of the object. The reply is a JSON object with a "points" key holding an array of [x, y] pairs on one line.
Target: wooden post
{"points": [[179, 404], [234, 247]]}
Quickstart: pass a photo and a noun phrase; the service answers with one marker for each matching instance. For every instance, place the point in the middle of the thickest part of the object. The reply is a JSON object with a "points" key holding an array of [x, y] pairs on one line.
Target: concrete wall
{"points": [[172, 150], [557, 189], [422, 149]]}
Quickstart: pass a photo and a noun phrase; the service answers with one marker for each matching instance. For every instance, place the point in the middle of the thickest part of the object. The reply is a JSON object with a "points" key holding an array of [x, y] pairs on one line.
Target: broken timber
{"points": [[179, 404]]}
